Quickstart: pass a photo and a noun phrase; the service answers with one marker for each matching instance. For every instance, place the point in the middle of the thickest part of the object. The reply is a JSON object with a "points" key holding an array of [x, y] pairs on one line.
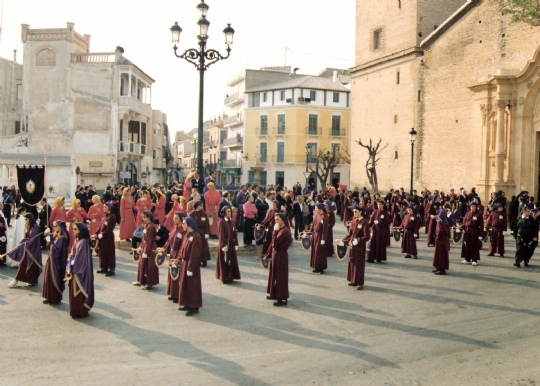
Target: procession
{"points": [[171, 228]]}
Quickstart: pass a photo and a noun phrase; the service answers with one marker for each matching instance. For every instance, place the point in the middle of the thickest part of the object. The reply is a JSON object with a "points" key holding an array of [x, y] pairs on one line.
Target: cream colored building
{"points": [[465, 78], [86, 112]]}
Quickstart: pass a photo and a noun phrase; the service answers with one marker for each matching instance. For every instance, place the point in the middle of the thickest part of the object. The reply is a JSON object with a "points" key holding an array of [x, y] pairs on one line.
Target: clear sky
{"points": [[319, 34]]}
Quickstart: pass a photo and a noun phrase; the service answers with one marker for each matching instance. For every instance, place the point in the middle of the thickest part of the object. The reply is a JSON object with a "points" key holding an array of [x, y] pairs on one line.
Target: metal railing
{"points": [[231, 142], [314, 130], [130, 147], [233, 98], [232, 120], [337, 132], [232, 163]]}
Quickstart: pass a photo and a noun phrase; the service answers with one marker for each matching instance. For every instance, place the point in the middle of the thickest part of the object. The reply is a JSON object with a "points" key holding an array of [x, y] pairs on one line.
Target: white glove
{"points": [[322, 242], [375, 222], [100, 236], [474, 218], [106, 223], [480, 238], [47, 239], [225, 249], [355, 242], [236, 247], [276, 227], [341, 244], [504, 233], [144, 256], [205, 236], [189, 273], [47, 232], [415, 235], [382, 216]]}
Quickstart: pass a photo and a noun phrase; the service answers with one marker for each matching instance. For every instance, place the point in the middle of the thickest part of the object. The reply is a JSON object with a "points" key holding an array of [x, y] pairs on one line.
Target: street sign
{"points": [[125, 175], [144, 174]]}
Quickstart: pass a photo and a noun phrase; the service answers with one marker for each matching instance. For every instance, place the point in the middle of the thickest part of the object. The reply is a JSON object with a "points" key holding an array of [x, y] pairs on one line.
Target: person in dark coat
{"points": [[189, 286], [331, 222], [441, 260], [3, 236], [298, 215], [44, 217], [268, 223], [358, 235], [319, 251], [241, 199], [105, 235], [227, 268], [498, 222], [380, 225], [512, 212], [262, 207], [203, 226], [55, 269], [411, 227], [473, 223], [278, 267], [434, 207], [147, 271], [81, 285], [173, 247], [162, 233], [526, 235]]}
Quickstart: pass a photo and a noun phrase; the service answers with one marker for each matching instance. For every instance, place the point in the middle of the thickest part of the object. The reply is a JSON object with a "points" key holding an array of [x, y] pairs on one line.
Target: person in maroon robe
{"points": [[28, 254], [147, 272], [380, 225], [227, 268], [173, 247], [319, 251], [432, 225], [278, 267], [441, 259], [472, 238], [105, 235], [358, 235], [189, 286], [411, 227], [81, 285], [203, 224], [55, 269], [331, 222], [268, 222], [498, 222]]}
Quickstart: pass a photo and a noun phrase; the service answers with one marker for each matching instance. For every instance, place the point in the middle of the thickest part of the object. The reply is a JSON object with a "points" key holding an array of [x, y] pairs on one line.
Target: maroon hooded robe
{"points": [[227, 268], [498, 221], [148, 272], [319, 252], [359, 231], [411, 226], [190, 288], [278, 267]]}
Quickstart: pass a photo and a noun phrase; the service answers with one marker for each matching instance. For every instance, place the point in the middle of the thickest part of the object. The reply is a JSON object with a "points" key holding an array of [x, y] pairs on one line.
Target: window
{"points": [[377, 39], [280, 178], [45, 58], [154, 154], [336, 125], [282, 95], [313, 95], [281, 123], [157, 131], [256, 101], [17, 127], [133, 131], [313, 124], [264, 148], [121, 126], [397, 77], [264, 97], [19, 92], [335, 97], [281, 152], [419, 96], [143, 133], [312, 153], [264, 124]]}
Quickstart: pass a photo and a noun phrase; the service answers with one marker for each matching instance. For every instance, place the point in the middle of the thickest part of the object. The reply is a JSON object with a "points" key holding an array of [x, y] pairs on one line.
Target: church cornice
{"points": [[416, 51]]}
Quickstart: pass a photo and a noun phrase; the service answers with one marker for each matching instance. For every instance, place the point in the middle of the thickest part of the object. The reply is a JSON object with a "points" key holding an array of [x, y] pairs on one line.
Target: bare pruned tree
{"points": [[327, 161], [371, 163]]}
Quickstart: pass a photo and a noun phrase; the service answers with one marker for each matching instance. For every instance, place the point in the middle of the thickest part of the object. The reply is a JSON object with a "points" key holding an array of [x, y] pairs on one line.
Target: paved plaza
{"points": [[475, 326]]}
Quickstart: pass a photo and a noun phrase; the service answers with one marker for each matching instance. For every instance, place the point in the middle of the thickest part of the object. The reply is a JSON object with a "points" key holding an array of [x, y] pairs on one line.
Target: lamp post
{"points": [[412, 133], [307, 163], [201, 58]]}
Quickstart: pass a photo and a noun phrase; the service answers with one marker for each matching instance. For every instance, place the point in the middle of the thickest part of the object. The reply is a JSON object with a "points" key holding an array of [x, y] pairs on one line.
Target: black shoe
{"points": [[102, 270], [204, 263], [270, 298], [192, 311], [183, 308], [110, 273], [321, 272], [280, 303], [441, 272], [414, 257], [315, 271], [501, 256], [370, 261], [491, 254], [517, 265], [76, 317], [526, 264], [435, 270], [407, 256], [351, 285], [46, 301], [174, 300]]}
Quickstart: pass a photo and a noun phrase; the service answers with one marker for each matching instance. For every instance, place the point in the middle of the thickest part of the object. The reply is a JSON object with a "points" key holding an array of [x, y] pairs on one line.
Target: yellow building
{"points": [[287, 123]]}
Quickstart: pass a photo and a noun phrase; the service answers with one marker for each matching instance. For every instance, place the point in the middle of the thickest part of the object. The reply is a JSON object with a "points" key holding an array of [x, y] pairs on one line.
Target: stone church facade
{"points": [[465, 78]]}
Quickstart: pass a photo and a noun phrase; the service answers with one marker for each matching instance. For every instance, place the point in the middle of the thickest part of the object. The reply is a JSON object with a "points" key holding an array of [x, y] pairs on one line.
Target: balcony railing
{"points": [[279, 130], [232, 142], [94, 57], [262, 131], [314, 130], [338, 132], [290, 159], [232, 163], [130, 147], [233, 120], [234, 98]]}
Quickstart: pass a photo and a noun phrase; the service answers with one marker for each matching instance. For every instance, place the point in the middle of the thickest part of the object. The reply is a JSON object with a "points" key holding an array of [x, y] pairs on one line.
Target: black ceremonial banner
{"points": [[31, 181]]}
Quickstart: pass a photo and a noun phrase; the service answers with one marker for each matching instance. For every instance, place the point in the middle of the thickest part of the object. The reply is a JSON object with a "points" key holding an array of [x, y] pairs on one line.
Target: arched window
{"points": [[45, 57]]}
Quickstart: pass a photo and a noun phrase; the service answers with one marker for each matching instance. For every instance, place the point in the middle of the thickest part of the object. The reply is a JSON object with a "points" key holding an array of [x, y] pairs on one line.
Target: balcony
{"points": [[338, 132], [232, 121], [313, 131], [231, 143], [135, 105], [234, 99], [131, 148], [232, 164], [262, 131]]}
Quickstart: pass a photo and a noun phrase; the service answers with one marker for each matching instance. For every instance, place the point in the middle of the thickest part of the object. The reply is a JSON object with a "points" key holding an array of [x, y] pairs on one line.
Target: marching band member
{"points": [[127, 219], [227, 268], [74, 215], [411, 227], [55, 269], [105, 235], [169, 218], [28, 249], [319, 251], [159, 212], [190, 289], [143, 204], [81, 284], [147, 272], [498, 222], [441, 260], [380, 224], [212, 198], [173, 246], [268, 222], [58, 211], [278, 267], [331, 222], [472, 239], [358, 234], [95, 215], [201, 219]]}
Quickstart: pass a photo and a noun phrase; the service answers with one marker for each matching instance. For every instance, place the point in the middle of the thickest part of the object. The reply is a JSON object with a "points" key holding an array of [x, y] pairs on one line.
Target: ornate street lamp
{"points": [[202, 58], [412, 134]]}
